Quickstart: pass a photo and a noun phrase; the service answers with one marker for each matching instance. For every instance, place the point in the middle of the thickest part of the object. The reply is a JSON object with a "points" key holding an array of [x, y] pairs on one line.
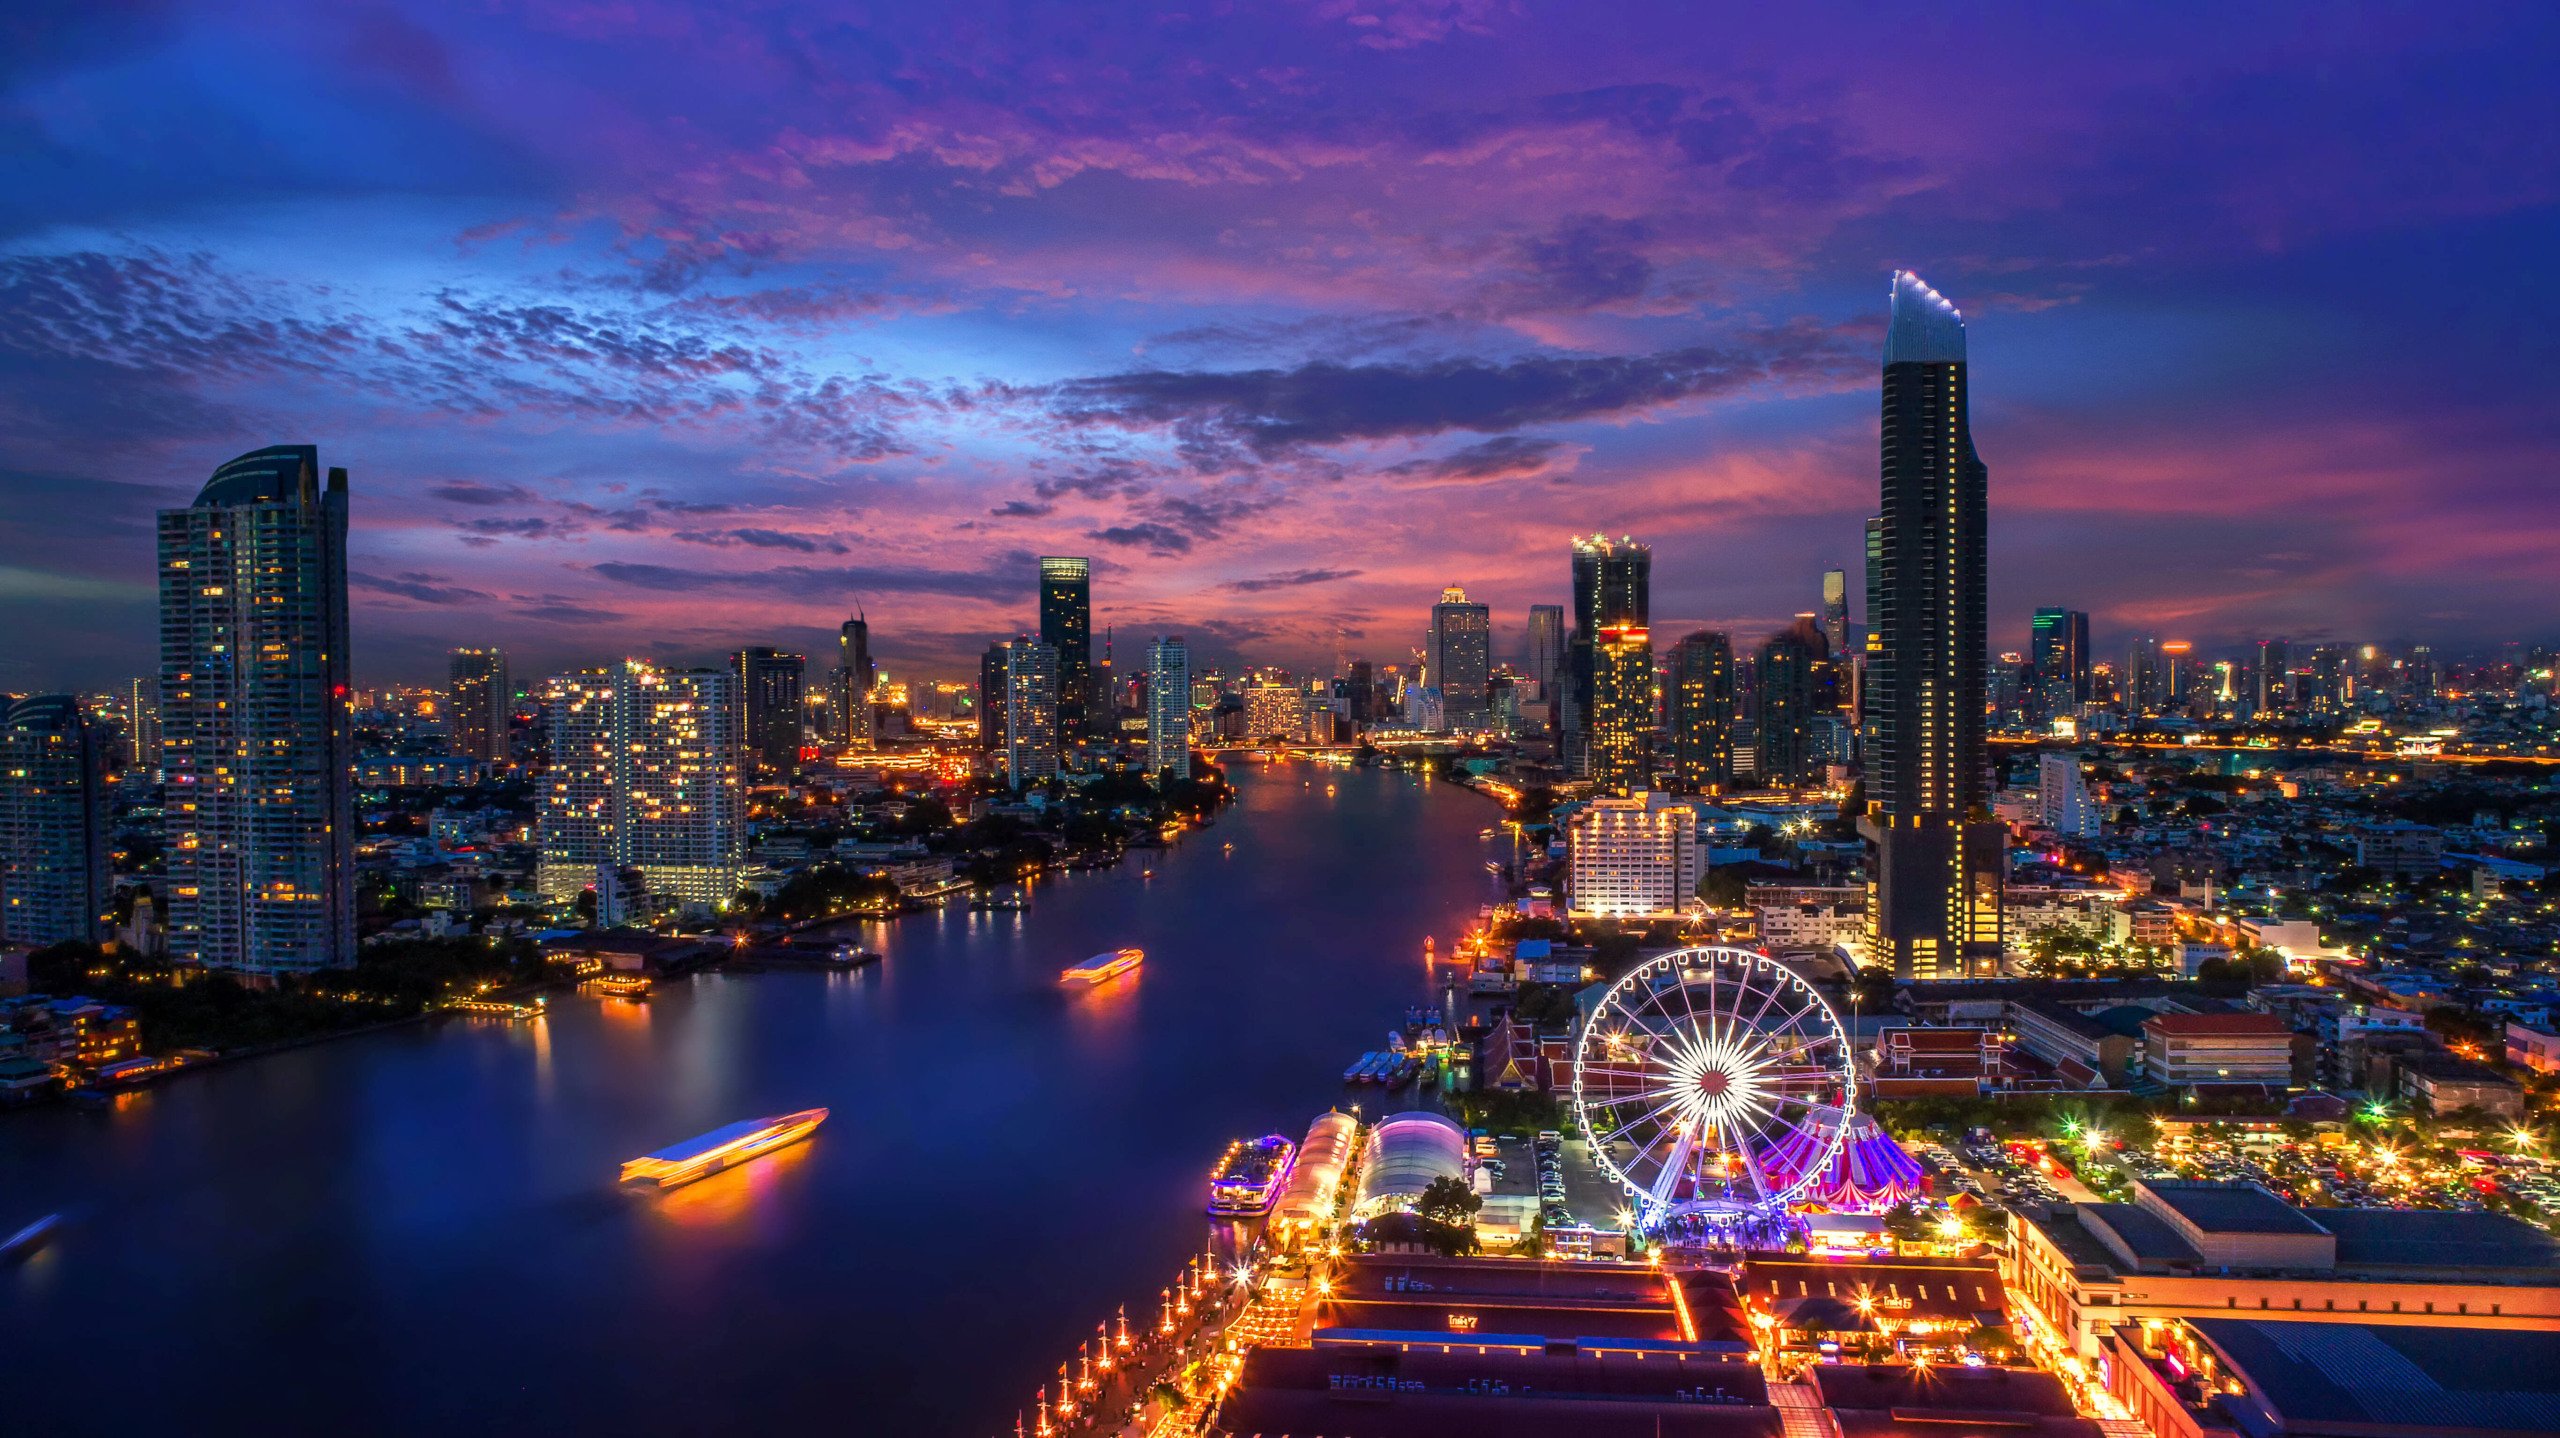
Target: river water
{"points": [[418, 1231]]}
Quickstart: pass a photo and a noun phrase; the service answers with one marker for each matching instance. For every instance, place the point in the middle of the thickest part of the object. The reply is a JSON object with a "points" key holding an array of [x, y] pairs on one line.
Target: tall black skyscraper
{"points": [[1612, 608], [855, 675], [1066, 625], [479, 703], [1699, 710], [1795, 684], [991, 697], [772, 690], [1935, 911]]}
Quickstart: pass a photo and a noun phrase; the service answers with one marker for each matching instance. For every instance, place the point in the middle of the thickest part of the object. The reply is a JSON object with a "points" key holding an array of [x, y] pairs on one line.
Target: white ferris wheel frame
{"points": [[1707, 1075]]}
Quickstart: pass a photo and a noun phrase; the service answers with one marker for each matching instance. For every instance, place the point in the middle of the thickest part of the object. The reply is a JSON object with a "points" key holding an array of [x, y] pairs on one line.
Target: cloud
{"points": [[1504, 456], [766, 539], [1155, 538], [424, 588], [1289, 579], [807, 579], [473, 492]]}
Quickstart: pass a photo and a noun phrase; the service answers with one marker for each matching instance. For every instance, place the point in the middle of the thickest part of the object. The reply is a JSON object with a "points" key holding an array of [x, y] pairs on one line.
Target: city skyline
{"points": [[726, 370]]}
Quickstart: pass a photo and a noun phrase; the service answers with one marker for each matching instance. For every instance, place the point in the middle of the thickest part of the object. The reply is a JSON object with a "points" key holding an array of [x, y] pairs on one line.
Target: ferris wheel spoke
{"points": [[1682, 1147], [1632, 1124], [1750, 1164]]}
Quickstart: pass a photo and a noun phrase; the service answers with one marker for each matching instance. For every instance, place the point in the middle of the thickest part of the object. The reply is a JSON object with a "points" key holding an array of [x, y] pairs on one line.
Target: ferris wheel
{"points": [[1713, 1081]]}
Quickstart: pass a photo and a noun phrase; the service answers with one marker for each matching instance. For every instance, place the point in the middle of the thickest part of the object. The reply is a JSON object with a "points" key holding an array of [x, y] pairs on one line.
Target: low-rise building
{"points": [[2400, 849], [2188, 1050], [2533, 1048], [2284, 1378], [2443, 1083]]}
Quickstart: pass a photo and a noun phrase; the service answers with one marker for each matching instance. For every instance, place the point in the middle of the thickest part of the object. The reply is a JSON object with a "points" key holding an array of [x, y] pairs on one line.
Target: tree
{"points": [[1449, 1201], [1723, 889]]}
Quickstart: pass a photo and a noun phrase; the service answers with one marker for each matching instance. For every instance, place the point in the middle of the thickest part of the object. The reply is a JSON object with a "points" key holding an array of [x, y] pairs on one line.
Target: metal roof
{"points": [[2425, 1379]]}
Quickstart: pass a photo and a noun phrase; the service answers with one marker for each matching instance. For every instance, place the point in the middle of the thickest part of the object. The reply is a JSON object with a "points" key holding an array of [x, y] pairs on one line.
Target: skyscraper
{"points": [[2275, 677], [1460, 660], [1835, 610], [1031, 700], [1795, 666], [2058, 651], [1066, 626], [477, 703], [257, 737], [2146, 690], [1938, 870], [991, 698], [1612, 588], [142, 724], [1622, 707], [855, 677], [1700, 700], [772, 692], [1542, 661], [644, 774], [53, 823], [1169, 707]]}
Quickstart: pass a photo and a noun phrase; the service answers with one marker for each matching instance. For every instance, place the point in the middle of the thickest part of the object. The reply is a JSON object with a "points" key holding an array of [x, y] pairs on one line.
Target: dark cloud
{"points": [[1272, 411], [1289, 579], [473, 492], [766, 539], [1584, 262], [424, 588], [807, 579], [1159, 539], [1501, 457]]}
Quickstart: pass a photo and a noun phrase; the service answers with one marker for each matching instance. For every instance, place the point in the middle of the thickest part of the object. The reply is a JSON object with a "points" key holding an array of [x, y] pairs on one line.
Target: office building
{"points": [[2062, 798], [1460, 659], [1272, 709], [1939, 856], [1169, 707], [257, 738], [477, 703], [855, 677], [1623, 701], [2058, 661], [1632, 858], [1612, 589], [2145, 680], [142, 725], [54, 849], [1542, 661], [1699, 704], [1066, 626], [1795, 678], [1835, 610], [1030, 713], [991, 698], [772, 693], [645, 774]]}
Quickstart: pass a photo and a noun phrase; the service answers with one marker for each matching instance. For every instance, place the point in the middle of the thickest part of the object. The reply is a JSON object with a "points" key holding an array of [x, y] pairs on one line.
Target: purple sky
{"points": [[659, 327]]}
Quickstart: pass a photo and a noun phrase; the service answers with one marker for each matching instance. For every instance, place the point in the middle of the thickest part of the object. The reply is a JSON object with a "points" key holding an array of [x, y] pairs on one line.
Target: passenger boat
{"points": [[722, 1148], [621, 985], [1109, 964], [1249, 1175], [1359, 1070], [30, 1238]]}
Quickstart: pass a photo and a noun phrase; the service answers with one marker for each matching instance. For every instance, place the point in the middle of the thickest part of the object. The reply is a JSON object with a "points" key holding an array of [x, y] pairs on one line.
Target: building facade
{"points": [[1623, 700], [1939, 857], [1632, 858], [1612, 590], [1794, 687], [855, 677], [2058, 657], [1460, 660], [1066, 626], [257, 735], [1169, 707], [1698, 707], [478, 699], [773, 691], [1031, 699], [645, 774], [54, 849]]}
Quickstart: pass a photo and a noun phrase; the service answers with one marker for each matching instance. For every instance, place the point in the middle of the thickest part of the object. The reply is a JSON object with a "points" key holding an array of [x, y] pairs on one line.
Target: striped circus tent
{"points": [[1870, 1172]]}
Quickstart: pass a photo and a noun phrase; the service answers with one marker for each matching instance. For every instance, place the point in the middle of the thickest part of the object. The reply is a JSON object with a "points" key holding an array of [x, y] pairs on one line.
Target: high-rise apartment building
{"points": [[1460, 660], [2145, 679], [1029, 739], [645, 774], [1612, 590], [855, 677], [1699, 711], [2063, 803], [773, 691], [2058, 656], [257, 737], [1835, 611], [477, 702], [1169, 707], [1795, 682], [1632, 858], [1542, 663], [142, 724], [1066, 626], [53, 823], [1936, 907]]}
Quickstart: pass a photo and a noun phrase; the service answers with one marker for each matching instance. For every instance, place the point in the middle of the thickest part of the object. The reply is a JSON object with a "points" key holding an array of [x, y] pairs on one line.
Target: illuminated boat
{"points": [[722, 1148], [1107, 965], [1249, 1175], [621, 985]]}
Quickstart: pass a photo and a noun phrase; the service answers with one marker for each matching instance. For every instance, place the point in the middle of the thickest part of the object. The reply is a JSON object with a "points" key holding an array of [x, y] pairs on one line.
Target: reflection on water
{"points": [[314, 1239]]}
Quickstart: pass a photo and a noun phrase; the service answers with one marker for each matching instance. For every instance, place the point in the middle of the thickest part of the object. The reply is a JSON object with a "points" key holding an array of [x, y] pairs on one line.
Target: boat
{"points": [[722, 1148], [30, 1238], [1003, 903], [1109, 964], [1249, 1175], [1358, 1067], [621, 985]]}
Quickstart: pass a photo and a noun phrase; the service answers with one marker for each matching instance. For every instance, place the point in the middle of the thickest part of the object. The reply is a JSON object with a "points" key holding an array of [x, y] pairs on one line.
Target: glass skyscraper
{"points": [[2058, 650], [772, 692], [1612, 591], [1066, 626], [1460, 661], [855, 676], [256, 731], [1935, 911], [1795, 683], [1169, 707], [1699, 702], [477, 701]]}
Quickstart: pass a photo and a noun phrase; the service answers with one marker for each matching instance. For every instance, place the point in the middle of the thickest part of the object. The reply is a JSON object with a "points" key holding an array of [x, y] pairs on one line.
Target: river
{"points": [[418, 1231]]}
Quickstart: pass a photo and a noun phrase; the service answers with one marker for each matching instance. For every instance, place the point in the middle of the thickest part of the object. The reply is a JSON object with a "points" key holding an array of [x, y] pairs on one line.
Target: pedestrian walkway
{"points": [[1800, 1411]]}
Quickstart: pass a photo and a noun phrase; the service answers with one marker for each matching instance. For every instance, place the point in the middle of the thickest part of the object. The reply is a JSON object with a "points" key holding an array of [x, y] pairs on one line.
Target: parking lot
{"points": [[1559, 1169]]}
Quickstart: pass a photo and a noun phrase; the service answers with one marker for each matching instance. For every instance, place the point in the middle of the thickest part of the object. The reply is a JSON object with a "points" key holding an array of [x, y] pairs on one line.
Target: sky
{"points": [[659, 328]]}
